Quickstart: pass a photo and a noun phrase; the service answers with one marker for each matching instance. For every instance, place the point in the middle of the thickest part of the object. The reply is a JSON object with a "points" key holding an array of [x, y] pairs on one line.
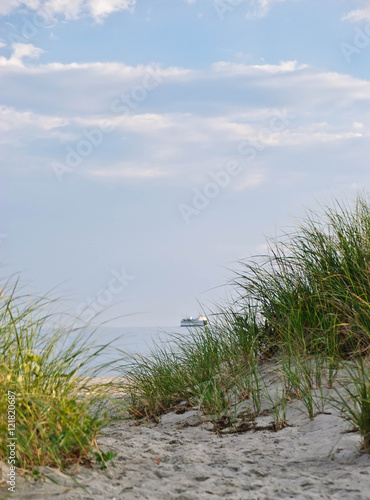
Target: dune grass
{"points": [[352, 399], [200, 368], [313, 288], [46, 368], [306, 305]]}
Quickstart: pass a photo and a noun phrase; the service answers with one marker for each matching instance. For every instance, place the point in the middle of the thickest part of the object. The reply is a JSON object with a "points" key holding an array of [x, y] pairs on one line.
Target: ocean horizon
{"points": [[131, 340]]}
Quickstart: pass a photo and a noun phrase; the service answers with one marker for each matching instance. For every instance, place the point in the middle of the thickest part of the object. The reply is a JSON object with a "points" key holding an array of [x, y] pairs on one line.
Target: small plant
{"points": [[254, 384], [277, 404], [214, 397], [299, 381], [36, 475], [334, 365], [103, 458]]}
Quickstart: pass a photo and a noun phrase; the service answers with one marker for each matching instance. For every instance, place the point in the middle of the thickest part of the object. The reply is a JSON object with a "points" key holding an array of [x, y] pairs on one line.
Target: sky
{"points": [[147, 146]]}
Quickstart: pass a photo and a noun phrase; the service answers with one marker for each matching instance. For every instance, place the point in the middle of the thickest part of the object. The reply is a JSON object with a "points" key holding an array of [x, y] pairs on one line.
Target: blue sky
{"points": [[147, 146]]}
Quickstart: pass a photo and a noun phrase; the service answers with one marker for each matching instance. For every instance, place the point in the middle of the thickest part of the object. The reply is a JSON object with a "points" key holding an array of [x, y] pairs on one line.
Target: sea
{"points": [[128, 341]]}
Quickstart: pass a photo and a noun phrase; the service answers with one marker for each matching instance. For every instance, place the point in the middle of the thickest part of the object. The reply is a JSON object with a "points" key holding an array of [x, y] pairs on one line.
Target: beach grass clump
{"points": [[277, 403], [303, 377], [352, 398], [184, 370], [44, 369], [200, 368], [313, 288]]}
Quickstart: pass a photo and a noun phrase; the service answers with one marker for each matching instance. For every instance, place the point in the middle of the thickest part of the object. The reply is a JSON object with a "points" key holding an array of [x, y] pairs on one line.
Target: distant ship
{"points": [[199, 321]]}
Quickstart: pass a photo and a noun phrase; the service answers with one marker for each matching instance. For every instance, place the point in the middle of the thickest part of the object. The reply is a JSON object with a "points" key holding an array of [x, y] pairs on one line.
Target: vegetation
{"points": [[45, 368], [353, 399], [298, 330], [304, 308]]}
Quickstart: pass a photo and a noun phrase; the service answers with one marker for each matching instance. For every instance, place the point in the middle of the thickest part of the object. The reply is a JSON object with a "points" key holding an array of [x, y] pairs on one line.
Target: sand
{"points": [[181, 459]]}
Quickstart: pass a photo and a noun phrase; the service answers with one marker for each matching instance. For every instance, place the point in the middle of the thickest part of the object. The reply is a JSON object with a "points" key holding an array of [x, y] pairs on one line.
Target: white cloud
{"points": [[250, 180], [21, 51], [11, 119], [257, 8], [358, 15], [69, 9], [18, 127], [129, 171], [143, 123], [260, 8], [103, 8], [244, 69], [107, 69], [189, 133], [180, 130], [358, 125]]}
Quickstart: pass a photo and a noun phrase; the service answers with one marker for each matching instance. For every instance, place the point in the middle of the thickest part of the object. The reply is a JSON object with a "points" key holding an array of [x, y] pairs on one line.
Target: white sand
{"points": [[310, 460]]}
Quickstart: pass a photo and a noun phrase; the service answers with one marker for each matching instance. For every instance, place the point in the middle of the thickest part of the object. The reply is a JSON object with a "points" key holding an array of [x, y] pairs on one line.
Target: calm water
{"points": [[133, 340]]}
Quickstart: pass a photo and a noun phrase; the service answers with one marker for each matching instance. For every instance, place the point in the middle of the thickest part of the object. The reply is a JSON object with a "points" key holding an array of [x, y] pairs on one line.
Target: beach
{"points": [[182, 458], [185, 250]]}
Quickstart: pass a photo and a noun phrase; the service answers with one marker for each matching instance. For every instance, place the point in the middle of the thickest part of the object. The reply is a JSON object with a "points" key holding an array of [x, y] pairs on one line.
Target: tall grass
{"points": [[352, 399], [313, 288], [47, 367], [306, 304], [183, 370]]}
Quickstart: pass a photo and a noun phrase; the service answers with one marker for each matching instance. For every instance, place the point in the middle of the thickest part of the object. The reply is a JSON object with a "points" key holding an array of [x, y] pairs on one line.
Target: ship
{"points": [[199, 321]]}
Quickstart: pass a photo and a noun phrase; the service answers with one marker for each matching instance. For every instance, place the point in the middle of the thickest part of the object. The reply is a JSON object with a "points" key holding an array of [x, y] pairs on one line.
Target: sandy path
{"points": [[310, 460]]}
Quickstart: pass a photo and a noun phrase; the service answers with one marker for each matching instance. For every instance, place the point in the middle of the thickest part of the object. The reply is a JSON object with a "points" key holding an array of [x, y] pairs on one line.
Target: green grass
{"points": [[313, 288], [306, 304], [46, 366], [201, 368], [352, 399]]}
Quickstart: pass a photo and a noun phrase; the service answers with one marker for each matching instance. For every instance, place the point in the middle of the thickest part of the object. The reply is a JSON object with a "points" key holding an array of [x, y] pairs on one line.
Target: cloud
{"points": [[358, 15], [129, 171], [106, 69], [11, 119], [250, 180], [21, 51], [194, 130], [358, 125], [20, 127], [69, 9], [243, 69], [257, 8], [260, 8], [142, 123]]}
